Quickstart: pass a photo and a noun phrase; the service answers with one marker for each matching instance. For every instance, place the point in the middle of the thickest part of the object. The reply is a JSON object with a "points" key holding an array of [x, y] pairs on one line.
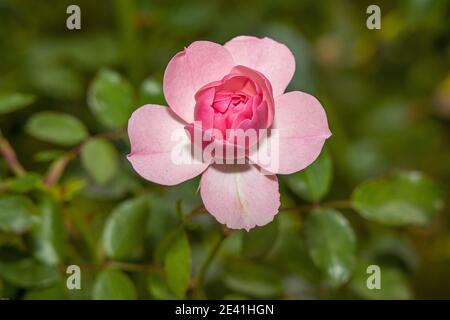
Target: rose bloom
{"points": [[212, 90]]}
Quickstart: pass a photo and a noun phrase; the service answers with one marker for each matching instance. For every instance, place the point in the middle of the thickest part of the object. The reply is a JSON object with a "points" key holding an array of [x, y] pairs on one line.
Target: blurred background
{"points": [[377, 195]]}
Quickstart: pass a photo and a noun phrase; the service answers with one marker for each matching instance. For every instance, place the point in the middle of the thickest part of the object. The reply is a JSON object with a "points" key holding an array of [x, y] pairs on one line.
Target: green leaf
{"points": [[28, 273], [331, 244], [113, 285], [394, 284], [254, 280], [110, 99], [177, 264], [405, 198], [22, 184], [17, 214], [13, 101], [55, 127], [125, 228], [49, 235], [48, 155], [259, 241], [157, 286], [99, 158], [55, 292], [314, 182]]}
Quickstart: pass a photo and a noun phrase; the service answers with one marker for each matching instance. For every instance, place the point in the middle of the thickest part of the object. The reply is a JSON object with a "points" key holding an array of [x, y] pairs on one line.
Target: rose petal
{"points": [[239, 195], [189, 70], [302, 129], [273, 59], [151, 130]]}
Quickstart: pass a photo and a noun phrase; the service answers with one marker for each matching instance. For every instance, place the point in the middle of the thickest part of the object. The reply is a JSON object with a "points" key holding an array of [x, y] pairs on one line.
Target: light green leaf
{"points": [[405, 198], [259, 241], [110, 99], [177, 264], [17, 214], [125, 228], [28, 273], [49, 235], [48, 155], [13, 101], [113, 285], [25, 183], [254, 280], [314, 182], [393, 284], [55, 127], [331, 244], [99, 158]]}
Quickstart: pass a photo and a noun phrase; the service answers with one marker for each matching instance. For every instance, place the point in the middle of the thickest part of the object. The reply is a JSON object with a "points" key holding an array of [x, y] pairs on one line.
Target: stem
{"points": [[205, 266], [10, 156], [57, 168]]}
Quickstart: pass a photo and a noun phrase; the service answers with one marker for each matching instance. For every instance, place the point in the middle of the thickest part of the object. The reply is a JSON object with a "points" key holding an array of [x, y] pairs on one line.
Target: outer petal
{"points": [[301, 129], [151, 129], [189, 70], [273, 59], [239, 195]]}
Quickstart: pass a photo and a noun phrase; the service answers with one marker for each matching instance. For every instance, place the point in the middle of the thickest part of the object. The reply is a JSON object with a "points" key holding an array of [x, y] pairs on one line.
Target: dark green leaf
{"points": [[99, 158], [254, 280], [28, 273], [55, 127], [259, 241], [13, 101], [49, 235], [16, 214], [125, 228], [331, 244], [405, 198], [177, 264], [113, 285], [110, 99], [314, 182], [157, 286]]}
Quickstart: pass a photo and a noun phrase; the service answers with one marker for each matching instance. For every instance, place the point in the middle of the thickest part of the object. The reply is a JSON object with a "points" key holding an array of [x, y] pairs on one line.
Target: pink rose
{"points": [[213, 90]]}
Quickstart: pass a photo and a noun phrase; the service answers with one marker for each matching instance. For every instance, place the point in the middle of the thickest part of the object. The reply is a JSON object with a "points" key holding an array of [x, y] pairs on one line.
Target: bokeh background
{"points": [[377, 195]]}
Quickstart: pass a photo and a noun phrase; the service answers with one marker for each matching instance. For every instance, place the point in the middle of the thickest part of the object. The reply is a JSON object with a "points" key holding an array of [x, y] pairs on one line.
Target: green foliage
{"points": [[261, 240], [254, 280], [331, 244], [49, 235], [393, 284], [28, 272], [17, 214], [111, 99], [125, 228], [314, 182], [25, 183], [10, 102], [55, 127], [177, 264], [113, 285], [99, 158], [405, 198], [73, 198]]}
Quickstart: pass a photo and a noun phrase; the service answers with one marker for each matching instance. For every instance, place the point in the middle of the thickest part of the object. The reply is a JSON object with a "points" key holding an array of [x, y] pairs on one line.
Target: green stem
{"points": [[205, 266]]}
